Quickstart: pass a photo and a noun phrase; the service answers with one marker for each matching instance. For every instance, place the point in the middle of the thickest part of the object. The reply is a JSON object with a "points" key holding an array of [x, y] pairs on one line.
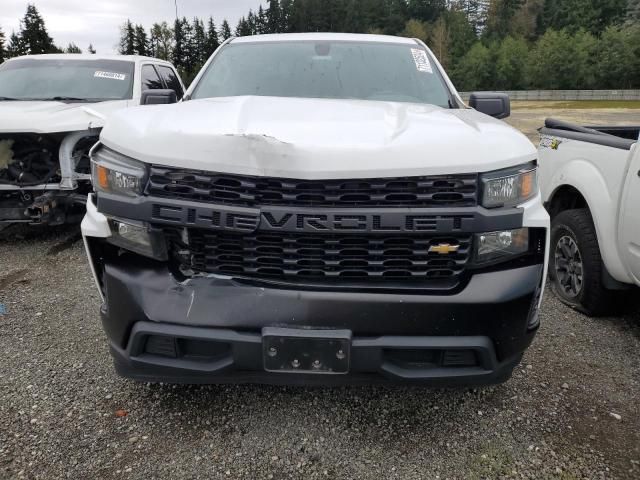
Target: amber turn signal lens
{"points": [[103, 177], [528, 182]]}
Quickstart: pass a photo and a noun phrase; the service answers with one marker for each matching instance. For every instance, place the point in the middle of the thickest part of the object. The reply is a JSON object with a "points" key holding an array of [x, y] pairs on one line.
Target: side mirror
{"points": [[495, 105], [158, 97]]}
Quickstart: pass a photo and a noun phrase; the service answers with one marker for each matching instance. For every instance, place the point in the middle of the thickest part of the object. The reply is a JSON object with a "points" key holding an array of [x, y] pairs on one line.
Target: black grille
{"points": [[293, 257], [432, 191]]}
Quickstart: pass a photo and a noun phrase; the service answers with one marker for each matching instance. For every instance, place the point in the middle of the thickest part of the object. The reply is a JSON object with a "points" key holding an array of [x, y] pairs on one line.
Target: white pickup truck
{"points": [[52, 108], [319, 208], [590, 182]]}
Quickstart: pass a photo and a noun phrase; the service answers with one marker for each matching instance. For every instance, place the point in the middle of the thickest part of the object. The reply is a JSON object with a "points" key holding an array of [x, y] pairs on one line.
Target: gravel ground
{"points": [[571, 410]]}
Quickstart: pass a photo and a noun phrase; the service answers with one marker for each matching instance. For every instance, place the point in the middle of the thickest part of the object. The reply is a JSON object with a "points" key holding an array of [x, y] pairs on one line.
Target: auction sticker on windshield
{"points": [[111, 75], [422, 61]]}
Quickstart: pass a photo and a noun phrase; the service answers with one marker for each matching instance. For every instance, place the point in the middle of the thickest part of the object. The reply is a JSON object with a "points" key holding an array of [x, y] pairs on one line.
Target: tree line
{"points": [[32, 38], [483, 44]]}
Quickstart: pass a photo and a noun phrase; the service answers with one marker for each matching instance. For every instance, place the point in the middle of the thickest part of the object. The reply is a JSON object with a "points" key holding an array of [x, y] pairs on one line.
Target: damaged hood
{"points": [[316, 138], [52, 117]]}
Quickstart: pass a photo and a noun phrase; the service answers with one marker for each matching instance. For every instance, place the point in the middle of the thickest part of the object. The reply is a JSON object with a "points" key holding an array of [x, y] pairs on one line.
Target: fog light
{"points": [[137, 237], [500, 246]]}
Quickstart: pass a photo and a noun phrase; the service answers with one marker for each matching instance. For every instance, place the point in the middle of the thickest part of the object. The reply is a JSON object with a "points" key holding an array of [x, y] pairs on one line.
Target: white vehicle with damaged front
{"points": [[52, 108], [320, 208]]}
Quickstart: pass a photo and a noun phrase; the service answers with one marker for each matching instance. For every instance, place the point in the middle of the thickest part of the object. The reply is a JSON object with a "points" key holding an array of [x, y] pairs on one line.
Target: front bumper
{"points": [[224, 320], [213, 326]]}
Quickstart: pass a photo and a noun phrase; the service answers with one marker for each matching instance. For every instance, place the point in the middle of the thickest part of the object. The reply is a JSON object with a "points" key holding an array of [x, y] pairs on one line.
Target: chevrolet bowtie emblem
{"points": [[444, 248]]}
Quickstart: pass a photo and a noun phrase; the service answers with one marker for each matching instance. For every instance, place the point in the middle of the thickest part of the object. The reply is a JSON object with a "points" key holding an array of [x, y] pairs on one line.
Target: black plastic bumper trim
{"points": [[370, 360], [495, 306]]}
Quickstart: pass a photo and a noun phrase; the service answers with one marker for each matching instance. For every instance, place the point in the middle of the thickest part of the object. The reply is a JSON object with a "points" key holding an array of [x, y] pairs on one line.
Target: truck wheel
{"points": [[575, 264]]}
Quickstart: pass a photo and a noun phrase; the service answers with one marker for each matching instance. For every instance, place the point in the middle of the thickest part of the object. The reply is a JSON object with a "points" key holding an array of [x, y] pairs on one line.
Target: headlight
{"points": [[500, 246], [510, 187], [114, 173]]}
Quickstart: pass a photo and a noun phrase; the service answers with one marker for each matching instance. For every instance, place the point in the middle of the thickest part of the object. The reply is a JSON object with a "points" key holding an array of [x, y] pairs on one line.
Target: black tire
{"points": [[575, 264]]}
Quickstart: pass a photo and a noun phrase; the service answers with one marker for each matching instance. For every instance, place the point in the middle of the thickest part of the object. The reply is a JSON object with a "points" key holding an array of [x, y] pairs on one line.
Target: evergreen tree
{"points": [[336, 12], [212, 38], [33, 35], [161, 41], [286, 9], [190, 61], [72, 48], [225, 31], [474, 10], [462, 34], [16, 46], [525, 21], [426, 10], [573, 15], [91, 50], [243, 29], [274, 20], [178, 55], [318, 20], [199, 43], [127, 42], [261, 21], [299, 17], [3, 52], [397, 16], [140, 41], [252, 23], [500, 16], [353, 21], [373, 13]]}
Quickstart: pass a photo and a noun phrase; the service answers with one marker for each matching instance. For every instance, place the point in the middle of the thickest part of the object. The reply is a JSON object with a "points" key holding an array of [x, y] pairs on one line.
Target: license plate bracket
{"points": [[288, 350]]}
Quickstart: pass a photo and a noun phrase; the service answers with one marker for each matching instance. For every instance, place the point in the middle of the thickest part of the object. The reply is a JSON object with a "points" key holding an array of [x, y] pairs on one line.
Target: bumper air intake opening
{"points": [[186, 348], [421, 359]]}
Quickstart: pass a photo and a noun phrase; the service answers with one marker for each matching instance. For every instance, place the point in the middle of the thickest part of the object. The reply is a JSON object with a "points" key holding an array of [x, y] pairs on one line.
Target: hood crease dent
{"points": [[316, 138]]}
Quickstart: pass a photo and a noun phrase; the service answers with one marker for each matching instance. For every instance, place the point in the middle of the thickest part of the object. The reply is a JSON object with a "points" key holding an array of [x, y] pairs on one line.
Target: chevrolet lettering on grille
{"points": [[278, 219]]}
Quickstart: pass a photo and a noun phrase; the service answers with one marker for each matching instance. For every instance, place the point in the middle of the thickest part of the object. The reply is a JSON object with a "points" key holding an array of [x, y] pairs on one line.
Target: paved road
{"points": [[571, 411]]}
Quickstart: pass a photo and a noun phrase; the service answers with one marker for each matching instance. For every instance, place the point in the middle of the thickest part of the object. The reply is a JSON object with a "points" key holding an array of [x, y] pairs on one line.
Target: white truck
{"points": [[319, 208], [590, 182], [52, 108]]}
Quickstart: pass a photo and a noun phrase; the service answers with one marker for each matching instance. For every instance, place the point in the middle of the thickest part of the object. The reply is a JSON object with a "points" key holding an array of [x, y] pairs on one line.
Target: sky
{"points": [[98, 21]]}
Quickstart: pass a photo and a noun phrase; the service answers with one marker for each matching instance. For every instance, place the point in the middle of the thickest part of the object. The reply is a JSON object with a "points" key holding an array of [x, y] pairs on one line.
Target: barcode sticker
{"points": [[422, 61], [110, 75]]}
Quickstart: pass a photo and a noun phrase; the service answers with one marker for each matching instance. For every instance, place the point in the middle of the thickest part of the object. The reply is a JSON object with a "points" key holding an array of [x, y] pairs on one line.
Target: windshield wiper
{"points": [[9, 99]]}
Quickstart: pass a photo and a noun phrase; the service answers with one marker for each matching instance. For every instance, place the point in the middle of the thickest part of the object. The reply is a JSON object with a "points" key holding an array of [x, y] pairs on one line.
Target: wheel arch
{"points": [[569, 197], [565, 197]]}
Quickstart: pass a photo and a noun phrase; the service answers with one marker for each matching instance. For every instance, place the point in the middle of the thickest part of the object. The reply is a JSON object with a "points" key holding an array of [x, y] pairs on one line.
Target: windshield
{"points": [[66, 80], [339, 70]]}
